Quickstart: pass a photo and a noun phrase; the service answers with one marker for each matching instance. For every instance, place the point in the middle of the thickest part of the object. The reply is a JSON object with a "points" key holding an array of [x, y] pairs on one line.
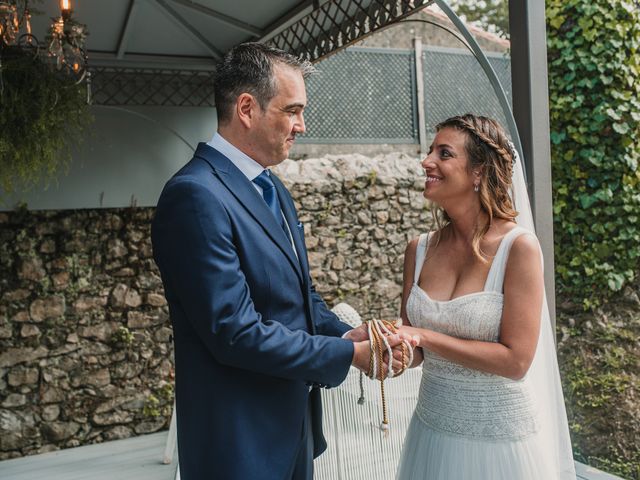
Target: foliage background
{"points": [[37, 102], [490, 15], [594, 97]]}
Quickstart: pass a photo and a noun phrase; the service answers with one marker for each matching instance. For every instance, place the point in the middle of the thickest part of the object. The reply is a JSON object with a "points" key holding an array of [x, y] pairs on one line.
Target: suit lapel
{"points": [[296, 228], [297, 233], [243, 190]]}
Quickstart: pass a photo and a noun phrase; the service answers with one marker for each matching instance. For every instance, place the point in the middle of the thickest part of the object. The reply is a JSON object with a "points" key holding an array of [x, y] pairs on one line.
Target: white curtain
{"points": [[357, 448]]}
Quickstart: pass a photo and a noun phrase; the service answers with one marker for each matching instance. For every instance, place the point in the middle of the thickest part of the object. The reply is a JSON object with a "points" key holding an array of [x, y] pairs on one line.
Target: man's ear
{"points": [[246, 109]]}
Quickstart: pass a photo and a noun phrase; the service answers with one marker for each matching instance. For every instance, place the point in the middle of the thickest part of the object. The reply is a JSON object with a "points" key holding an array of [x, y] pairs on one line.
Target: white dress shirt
{"points": [[247, 165]]}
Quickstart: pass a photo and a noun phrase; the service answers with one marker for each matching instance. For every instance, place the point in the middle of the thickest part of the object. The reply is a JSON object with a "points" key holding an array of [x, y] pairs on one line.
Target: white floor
{"points": [[138, 458]]}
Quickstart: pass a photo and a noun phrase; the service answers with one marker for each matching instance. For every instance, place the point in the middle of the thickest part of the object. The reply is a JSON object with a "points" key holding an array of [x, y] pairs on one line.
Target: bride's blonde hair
{"points": [[488, 149]]}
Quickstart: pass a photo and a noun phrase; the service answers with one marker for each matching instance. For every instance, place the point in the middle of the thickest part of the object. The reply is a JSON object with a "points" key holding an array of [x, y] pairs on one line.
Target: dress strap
{"points": [[421, 254], [495, 278]]}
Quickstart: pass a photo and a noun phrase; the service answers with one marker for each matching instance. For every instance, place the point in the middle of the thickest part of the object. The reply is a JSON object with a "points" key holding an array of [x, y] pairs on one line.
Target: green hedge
{"points": [[594, 90]]}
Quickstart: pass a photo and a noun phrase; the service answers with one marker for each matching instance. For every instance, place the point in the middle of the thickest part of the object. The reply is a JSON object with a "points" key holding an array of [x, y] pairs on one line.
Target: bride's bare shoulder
{"points": [[525, 257], [526, 245]]}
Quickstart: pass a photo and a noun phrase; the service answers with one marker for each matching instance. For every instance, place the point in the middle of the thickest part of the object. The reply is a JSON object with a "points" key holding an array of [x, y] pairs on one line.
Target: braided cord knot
{"points": [[379, 330]]}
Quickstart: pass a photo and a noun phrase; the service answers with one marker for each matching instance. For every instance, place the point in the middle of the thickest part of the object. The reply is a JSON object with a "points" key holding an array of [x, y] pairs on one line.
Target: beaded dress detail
{"points": [[466, 420], [460, 400]]}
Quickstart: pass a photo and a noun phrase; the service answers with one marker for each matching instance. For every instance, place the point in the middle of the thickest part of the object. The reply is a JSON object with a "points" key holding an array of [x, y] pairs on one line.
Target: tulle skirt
{"points": [[432, 455]]}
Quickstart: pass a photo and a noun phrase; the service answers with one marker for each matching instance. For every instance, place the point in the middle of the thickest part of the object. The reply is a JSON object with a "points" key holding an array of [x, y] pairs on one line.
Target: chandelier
{"points": [[64, 49]]}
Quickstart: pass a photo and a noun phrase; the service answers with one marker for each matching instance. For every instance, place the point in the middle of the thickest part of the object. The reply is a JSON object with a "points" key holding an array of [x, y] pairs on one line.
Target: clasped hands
{"points": [[363, 350]]}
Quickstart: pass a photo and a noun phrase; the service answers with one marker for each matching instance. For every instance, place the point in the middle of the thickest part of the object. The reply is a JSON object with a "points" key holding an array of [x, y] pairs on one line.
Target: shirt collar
{"points": [[247, 165]]}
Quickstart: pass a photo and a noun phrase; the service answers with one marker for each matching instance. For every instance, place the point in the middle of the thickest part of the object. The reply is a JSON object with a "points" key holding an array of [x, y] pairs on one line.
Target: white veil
{"points": [[543, 373]]}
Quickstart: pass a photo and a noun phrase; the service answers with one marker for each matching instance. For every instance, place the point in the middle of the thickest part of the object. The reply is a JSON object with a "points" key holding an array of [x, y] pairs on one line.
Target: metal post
{"points": [[482, 59], [422, 119], [531, 110]]}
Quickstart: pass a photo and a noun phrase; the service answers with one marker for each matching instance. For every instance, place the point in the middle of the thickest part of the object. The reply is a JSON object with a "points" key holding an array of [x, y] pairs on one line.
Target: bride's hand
{"points": [[415, 334], [398, 343], [399, 350]]}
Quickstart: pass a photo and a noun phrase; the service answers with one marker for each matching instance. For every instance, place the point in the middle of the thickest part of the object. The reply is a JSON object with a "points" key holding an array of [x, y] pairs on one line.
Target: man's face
{"points": [[282, 119]]}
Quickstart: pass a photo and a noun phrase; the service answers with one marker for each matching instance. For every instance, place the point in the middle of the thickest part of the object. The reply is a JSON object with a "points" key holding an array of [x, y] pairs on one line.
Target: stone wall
{"points": [[85, 337], [84, 332], [359, 213]]}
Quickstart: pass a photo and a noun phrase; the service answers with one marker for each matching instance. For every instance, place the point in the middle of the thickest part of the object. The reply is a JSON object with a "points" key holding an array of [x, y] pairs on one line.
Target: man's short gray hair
{"points": [[248, 68]]}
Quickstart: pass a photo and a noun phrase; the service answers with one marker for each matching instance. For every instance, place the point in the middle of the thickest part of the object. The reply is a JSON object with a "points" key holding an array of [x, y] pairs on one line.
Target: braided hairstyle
{"points": [[488, 149]]}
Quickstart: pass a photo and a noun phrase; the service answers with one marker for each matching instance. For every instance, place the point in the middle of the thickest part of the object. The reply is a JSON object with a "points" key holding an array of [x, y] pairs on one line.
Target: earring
{"points": [[476, 187]]}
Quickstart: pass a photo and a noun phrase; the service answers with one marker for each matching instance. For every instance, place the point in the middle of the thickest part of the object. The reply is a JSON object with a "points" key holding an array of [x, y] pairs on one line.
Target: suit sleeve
{"points": [[194, 248], [327, 323]]}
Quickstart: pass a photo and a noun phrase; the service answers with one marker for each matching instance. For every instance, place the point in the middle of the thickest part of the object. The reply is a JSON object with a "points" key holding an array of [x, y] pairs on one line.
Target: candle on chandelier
{"points": [[65, 8]]}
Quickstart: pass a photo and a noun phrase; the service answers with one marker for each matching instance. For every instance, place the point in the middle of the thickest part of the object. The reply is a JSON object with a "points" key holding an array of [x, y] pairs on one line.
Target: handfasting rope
{"points": [[378, 330]]}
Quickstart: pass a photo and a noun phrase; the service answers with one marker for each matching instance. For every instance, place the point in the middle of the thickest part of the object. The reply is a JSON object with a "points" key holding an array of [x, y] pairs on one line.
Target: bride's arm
{"points": [[407, 282], [512, 355]]}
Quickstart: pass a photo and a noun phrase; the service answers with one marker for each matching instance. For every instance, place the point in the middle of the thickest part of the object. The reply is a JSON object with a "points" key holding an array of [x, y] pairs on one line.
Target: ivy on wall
{"points": [[594, 90]]}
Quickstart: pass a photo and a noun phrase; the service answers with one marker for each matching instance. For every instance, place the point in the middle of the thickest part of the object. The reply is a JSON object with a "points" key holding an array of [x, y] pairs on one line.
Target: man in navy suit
{"points": [[253, 340]]}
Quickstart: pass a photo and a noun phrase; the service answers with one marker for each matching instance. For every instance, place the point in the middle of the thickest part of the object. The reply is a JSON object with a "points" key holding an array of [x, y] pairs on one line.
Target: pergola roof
{"points": [[191, 34]]}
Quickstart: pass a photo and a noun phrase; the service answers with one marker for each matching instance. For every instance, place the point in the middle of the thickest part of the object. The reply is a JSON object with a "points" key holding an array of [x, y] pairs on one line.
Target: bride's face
{"points": [[447, 166]]}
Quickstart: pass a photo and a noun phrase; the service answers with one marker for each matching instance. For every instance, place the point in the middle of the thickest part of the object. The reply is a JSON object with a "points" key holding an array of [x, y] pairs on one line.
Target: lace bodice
{"points": [[459, 400]]}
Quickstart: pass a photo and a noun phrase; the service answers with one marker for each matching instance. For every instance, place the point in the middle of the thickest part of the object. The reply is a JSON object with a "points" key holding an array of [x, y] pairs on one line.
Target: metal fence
{"points": [[454, 84], [151, 87], [365, 95], [360, 95]]}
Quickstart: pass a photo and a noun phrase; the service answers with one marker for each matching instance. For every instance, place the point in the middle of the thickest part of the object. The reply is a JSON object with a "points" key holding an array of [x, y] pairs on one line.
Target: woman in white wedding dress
{"points": [[490, 404]]}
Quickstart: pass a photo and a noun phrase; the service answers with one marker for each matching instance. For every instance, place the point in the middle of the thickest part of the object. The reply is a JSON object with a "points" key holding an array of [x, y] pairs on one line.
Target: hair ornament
{"points": [[514, 153]]}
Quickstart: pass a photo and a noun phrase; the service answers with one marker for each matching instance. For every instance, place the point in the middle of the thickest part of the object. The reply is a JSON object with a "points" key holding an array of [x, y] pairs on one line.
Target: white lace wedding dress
{"points": [[468, 424]]}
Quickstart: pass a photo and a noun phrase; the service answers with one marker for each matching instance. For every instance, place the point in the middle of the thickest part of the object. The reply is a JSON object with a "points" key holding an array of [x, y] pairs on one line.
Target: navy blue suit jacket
{"points": [[250, 332]]}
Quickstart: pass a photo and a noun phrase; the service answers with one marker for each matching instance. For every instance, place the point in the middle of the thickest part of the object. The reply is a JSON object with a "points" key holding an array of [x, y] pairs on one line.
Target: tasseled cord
{"points": [[378, 331], [361, 397]]}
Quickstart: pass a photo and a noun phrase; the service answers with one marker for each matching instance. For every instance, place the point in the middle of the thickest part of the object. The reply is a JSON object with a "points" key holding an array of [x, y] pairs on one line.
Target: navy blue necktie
{"points": [[270, 196]]}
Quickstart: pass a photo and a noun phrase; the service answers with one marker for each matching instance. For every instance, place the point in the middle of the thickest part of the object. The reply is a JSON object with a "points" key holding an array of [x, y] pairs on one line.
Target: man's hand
{"points": [[362, 354], [361, 333], [358, 334]]}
